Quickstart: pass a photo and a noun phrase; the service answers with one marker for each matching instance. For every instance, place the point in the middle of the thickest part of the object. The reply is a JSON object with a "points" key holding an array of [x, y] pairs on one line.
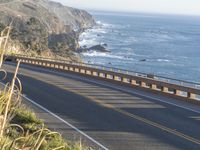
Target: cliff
{"points": [[43, 26]]}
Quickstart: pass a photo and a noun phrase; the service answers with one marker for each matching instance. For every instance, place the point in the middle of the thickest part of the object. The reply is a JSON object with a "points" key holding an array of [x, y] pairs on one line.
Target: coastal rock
{"points": [[97, 48], [143, 60], [41, 25], [106, 45]]}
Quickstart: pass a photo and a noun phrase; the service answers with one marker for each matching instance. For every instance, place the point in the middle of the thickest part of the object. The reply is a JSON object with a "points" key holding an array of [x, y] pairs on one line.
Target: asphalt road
{"points": [[120, 118]]}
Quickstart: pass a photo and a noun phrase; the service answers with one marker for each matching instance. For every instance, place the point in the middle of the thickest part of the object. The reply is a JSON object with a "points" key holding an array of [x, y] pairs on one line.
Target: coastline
{"points": [[138, 46]]}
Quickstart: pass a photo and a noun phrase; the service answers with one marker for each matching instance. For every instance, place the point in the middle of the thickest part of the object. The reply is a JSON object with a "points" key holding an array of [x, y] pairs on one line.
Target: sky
{"points": [[186, 7]]}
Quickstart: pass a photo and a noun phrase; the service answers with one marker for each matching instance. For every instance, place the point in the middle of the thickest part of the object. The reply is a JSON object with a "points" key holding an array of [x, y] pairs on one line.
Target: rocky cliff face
{"points": [[43, 25]]}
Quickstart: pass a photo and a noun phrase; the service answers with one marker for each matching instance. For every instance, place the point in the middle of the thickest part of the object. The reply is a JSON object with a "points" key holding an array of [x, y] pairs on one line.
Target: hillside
{"points": [[43, 26]]}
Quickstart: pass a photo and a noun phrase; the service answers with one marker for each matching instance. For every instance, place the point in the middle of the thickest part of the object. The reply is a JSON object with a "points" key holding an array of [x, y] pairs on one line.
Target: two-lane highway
{"points": [[118, 117]]}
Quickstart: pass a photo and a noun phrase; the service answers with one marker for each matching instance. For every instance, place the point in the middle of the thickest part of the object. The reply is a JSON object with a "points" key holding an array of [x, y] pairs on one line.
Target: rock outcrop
{"points": [[43, 25], [97, 48]]}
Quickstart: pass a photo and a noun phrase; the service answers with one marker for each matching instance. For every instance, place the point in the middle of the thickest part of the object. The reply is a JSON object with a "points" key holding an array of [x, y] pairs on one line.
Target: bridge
{"points": [[111, 108]]}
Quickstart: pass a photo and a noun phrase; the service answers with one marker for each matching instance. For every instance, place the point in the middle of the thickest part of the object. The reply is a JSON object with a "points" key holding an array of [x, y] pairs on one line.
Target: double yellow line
{"points": [[154, 124], [146, 121]]}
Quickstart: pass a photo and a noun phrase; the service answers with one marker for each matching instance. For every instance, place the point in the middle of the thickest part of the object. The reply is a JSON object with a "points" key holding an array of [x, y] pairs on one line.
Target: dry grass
{"points": [[20, 129]]}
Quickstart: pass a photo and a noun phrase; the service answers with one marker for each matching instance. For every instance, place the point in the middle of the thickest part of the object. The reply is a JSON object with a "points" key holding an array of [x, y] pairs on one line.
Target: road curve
{"points": [[120, 118]]}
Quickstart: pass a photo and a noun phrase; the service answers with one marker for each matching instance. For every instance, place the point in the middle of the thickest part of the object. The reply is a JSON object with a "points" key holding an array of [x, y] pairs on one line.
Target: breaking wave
{"points": [[163, 60], [100, 54]]}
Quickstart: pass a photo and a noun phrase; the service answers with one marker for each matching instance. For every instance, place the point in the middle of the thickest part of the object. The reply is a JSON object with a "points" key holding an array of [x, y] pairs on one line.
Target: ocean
{"points": [[164, 45]]}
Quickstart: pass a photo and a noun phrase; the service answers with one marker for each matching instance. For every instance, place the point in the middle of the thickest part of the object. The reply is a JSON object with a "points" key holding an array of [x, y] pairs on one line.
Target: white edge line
{"points": [[118, 88], [56, 116], [67, 123]]}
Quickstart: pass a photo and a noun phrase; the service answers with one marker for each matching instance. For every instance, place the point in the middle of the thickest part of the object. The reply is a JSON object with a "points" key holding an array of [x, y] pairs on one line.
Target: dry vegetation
{"points": [[20, 129]]}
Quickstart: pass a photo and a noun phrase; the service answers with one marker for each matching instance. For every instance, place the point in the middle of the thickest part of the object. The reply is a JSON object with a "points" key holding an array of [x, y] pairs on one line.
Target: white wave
{"points": [[88, 42], [98, 22], [84, 34], [92, 37], [103, 24], [110, 26], [100, 54], [98, 30], [163, 60]]}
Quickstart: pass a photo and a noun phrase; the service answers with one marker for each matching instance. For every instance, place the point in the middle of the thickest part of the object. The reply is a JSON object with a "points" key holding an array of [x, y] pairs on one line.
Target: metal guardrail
{"points": [[124, 71], [157, 84]]}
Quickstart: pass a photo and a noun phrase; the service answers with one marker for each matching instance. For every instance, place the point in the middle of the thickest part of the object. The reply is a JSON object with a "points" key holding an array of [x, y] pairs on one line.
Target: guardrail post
{"points": [[61, 67], [77, 70], [71, 68], [109, 76], [102, 75], [191, 95], [124, 80], [142, 84], [88, 72], [99, 74], [116, 77], [164, 89], [177, 92], [82, 71], [94, 73], [153, 86], [133, 82], [66, 68]]}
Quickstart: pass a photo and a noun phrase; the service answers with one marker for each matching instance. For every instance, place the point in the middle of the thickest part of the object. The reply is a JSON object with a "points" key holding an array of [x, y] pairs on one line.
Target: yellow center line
{"points": [[146, 121], [141, 119]]}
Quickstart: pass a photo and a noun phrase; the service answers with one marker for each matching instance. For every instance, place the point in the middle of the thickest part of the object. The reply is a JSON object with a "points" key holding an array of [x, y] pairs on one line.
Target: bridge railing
{"points": [[158, 84], [124, 71]]}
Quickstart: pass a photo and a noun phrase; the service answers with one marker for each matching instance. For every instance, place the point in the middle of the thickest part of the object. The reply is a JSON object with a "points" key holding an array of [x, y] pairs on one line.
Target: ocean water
{"points": [[158, 44]]}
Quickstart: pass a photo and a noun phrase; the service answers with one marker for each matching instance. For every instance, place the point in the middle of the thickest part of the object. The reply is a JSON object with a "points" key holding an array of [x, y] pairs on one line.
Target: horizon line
{"points": [[138, 12]]}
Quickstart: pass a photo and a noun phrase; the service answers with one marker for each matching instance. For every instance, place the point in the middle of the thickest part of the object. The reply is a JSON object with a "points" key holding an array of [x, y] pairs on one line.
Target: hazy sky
{"points": [[190, 7]]}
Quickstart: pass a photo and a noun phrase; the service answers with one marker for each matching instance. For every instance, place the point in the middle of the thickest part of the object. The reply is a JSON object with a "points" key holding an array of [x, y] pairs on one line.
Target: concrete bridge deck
{"points": [[118, 117]]}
